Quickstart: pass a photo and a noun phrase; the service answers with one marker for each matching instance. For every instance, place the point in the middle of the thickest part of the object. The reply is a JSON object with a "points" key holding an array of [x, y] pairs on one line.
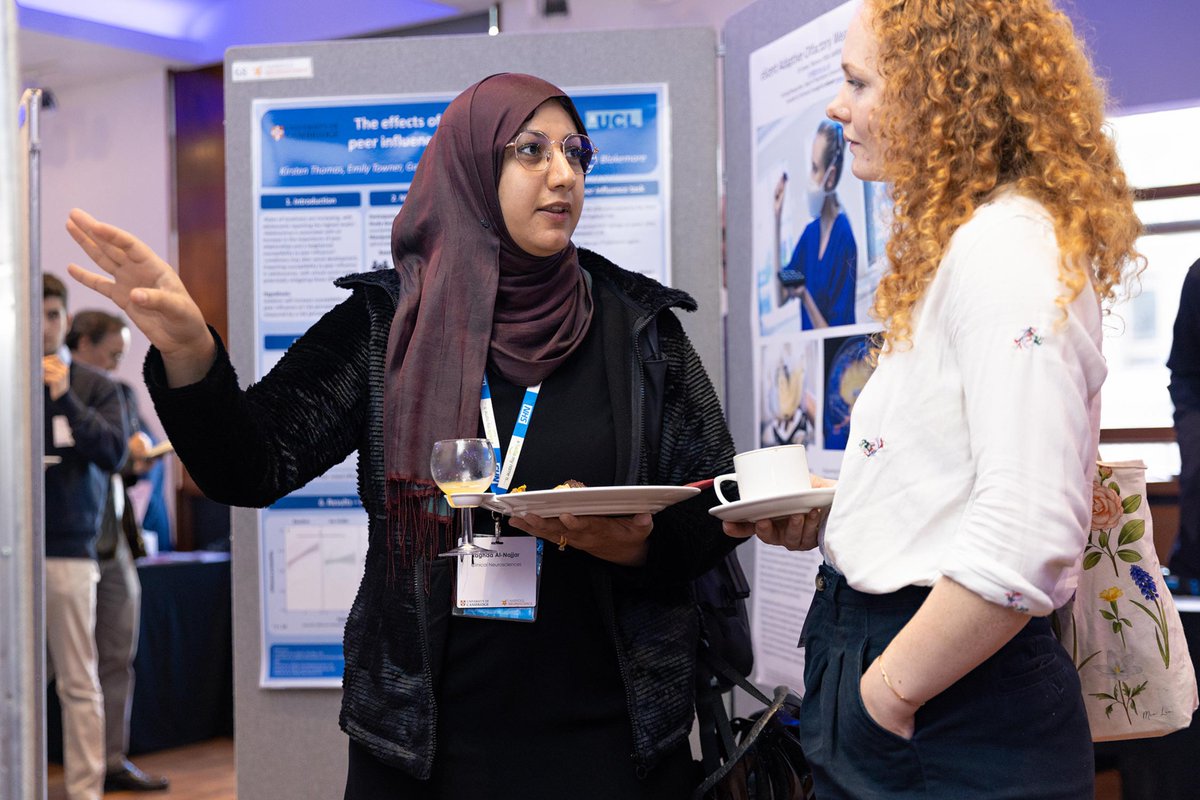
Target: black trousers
{"points": [[1014, 728], [1185, 555], [540, 778]]}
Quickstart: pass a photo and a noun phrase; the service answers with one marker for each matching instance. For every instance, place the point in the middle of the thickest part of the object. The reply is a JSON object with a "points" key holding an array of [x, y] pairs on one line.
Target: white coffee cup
{"points": [[769, 472]]}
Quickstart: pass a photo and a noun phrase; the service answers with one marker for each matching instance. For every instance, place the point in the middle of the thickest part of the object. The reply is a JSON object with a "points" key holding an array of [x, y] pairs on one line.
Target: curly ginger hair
{"points": [[979, 94]]}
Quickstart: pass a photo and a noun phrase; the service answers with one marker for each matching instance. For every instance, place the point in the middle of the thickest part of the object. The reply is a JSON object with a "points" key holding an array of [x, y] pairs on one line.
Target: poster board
{"points": [[682, 62]]}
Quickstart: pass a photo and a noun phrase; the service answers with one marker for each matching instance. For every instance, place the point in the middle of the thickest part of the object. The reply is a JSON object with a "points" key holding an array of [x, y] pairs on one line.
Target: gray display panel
{"points": [[683, 60]]}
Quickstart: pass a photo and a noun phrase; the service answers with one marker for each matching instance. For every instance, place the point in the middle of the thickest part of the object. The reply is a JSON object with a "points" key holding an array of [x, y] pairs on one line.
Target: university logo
{"points": [[613, 118]]}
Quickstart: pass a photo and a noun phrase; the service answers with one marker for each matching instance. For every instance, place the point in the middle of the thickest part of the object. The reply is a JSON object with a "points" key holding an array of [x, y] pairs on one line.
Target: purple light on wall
{"points": [[1145, 51], [199, 31]]}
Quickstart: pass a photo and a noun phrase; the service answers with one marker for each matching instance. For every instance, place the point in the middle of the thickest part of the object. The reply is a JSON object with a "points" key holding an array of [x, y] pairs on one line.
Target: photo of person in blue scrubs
{"points": [[823, 267]]}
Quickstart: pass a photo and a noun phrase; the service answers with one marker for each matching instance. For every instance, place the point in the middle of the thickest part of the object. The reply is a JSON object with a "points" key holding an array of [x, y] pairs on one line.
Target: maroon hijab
{"points": [[469, 296]]}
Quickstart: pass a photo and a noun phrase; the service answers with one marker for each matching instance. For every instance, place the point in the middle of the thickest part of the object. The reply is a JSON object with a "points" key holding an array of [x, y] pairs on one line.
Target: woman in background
{"points": [[964, 501]]}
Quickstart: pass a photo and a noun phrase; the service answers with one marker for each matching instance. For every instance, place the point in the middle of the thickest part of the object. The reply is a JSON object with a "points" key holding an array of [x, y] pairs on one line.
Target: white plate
{"points": [[606, 501], [768, 507]]}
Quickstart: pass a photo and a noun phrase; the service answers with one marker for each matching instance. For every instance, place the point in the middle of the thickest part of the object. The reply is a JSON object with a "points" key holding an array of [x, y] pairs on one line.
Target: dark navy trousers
{"points": [[1014, 728]]}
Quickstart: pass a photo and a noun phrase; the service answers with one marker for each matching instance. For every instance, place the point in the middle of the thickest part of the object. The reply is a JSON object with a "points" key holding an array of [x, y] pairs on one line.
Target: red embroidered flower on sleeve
{"points": [[1028, 339], [871, 447], [1015, 601]]}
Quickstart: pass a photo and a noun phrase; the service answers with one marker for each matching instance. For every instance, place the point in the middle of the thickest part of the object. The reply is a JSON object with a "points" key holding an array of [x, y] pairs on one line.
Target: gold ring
{"points": [[562, 542]]}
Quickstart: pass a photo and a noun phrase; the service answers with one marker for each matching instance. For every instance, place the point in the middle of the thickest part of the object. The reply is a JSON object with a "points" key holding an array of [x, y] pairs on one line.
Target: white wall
{"points": [[105, 148]]}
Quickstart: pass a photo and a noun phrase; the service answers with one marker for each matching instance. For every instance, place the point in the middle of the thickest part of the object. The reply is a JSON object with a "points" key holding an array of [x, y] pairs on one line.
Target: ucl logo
{"points": [[613, 118]]}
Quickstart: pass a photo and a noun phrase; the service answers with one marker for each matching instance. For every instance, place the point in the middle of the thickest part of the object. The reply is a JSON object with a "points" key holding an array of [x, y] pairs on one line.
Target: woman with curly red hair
{"points": [[960, 519]]}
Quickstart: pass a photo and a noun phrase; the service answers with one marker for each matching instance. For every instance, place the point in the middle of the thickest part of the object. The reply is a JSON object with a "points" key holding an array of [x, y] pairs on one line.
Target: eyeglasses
{"points": [[534, 149]]}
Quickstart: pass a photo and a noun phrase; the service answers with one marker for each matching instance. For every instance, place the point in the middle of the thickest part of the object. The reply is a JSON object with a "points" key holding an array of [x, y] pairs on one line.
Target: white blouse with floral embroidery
{"points": [[971, 453]]}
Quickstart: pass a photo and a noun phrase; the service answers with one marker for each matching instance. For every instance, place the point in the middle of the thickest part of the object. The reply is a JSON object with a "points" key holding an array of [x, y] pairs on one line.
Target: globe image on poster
{"points": [[848, 372]]}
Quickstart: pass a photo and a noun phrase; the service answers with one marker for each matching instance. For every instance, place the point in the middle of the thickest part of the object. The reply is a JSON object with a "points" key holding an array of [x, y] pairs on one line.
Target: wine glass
{"points": [[463, 469]]}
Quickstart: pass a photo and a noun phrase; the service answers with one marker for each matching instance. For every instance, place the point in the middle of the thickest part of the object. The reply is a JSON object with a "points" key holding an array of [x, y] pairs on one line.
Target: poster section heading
{"points": [[365, 144], [344, 199], [299, 501], [322, 664]]}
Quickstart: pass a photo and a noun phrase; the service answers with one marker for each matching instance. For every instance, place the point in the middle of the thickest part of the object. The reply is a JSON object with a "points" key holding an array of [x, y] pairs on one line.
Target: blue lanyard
{"points": [[506, 467]]}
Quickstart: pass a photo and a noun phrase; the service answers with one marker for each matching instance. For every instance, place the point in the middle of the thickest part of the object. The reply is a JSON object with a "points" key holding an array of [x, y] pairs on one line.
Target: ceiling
{"points": [[71, 42]]}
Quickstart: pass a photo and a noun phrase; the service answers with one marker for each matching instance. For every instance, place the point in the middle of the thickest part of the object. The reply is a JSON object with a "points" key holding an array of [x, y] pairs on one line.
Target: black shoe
{"points": [[131, 779]]}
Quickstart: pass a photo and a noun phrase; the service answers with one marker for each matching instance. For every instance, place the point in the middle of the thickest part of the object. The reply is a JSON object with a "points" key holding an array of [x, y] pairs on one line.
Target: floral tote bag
{"points": [[1122, 628]]}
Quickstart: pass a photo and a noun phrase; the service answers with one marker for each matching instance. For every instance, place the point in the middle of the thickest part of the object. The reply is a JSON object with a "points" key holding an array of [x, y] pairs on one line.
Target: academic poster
{"points": [[816, 240], [330, 175]]}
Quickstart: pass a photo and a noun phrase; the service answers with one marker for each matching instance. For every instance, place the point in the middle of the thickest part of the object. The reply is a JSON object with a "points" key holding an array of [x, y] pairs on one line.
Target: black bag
{"points": [[724, 622], [754, 758]]}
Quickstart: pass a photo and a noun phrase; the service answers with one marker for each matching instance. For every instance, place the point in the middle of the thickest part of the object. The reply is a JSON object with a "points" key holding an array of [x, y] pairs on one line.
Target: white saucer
{"points": [[768, 507], [607, 501]]}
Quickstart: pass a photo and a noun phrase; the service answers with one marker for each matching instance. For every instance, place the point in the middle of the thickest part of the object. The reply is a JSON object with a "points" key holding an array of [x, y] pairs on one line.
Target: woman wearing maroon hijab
{"points": [[593, 699]]}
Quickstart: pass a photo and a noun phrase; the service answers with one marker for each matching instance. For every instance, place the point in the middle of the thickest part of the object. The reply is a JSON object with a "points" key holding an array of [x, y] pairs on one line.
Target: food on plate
{"points": [[571, 483]]}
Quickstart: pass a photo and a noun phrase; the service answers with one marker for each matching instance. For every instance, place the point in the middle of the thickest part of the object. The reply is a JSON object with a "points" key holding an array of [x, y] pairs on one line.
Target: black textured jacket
{"points": [[324, 400]]}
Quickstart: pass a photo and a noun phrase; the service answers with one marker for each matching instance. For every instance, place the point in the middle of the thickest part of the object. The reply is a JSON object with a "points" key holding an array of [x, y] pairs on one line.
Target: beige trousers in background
{"points": [[71, 640]]}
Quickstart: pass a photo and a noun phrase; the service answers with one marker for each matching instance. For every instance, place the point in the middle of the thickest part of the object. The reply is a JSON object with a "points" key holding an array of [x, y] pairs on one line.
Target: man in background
{"points": [[99, 340], [1184, 363], [85, 440]]}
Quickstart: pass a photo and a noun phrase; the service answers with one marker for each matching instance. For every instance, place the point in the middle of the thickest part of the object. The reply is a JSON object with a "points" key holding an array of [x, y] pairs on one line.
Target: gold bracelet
{"points": [[888, 682]]}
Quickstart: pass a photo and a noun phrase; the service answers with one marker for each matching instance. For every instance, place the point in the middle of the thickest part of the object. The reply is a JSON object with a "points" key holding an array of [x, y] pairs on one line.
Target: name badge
{"points": [[500, 582], [61, 430]]}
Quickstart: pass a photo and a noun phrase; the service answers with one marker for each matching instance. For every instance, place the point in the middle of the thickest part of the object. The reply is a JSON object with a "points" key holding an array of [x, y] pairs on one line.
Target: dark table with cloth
{"points": [[1166, 767], [184, 665]]}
